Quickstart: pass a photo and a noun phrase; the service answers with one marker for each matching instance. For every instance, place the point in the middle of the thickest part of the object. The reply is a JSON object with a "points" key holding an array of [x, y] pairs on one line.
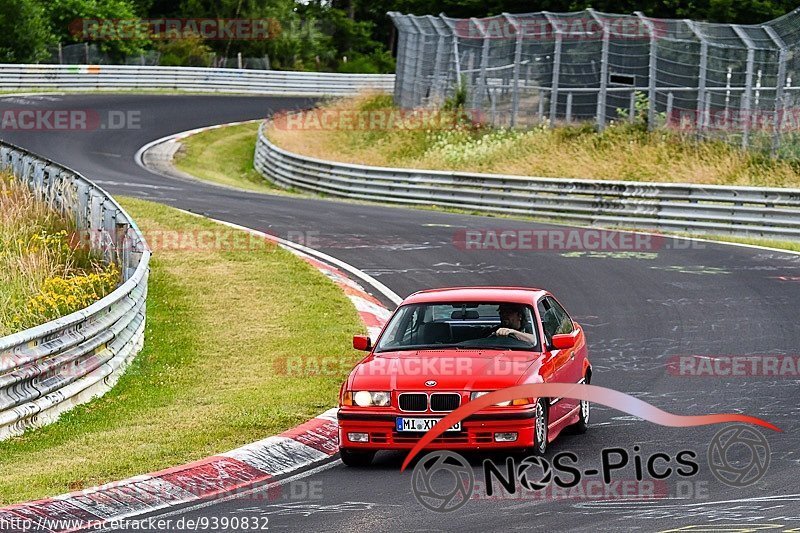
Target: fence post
{"points": [[456, 52], [652, 70], [568, 114], [632, 108], [603, 93], [556, 68], [670, 104], [401, 59], [728, 77], [517, 65], [60, 54], [701, 81], [482, 85], [86, 53], [239, 60], [780, 91], [407, 79], [541, 105], [420, 52], [439, 79], [746, 104]]}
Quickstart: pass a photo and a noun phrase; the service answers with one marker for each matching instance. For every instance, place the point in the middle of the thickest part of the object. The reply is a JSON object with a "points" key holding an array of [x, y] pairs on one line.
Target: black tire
{"points": [[540, 429], [584, 410], [356, 458]]}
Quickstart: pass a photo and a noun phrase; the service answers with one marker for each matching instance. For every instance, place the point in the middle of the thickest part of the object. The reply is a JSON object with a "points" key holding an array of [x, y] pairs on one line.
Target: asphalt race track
{"points": [[638, 310]]}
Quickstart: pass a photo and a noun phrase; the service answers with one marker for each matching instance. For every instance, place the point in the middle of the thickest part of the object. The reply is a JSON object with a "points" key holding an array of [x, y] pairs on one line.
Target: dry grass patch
{"points": [[622, 152], [45, 272]]}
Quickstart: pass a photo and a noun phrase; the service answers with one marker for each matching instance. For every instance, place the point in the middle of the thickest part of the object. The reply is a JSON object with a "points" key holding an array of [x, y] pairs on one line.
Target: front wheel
{"points": [[356, 458], [583, 416], [540, 429]]}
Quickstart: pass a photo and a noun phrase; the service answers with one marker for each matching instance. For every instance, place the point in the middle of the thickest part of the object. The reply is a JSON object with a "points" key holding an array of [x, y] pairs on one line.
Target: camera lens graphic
{"points": [[738, 456], [442, 481], [534, 473]]}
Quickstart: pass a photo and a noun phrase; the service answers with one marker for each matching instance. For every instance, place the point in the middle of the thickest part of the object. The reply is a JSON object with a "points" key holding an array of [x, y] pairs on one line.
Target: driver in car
{"points": [[512, 317]]}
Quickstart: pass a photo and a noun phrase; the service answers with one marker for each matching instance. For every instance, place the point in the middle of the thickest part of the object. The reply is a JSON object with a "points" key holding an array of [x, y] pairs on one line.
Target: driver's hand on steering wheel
{"points": [[504, 332]]}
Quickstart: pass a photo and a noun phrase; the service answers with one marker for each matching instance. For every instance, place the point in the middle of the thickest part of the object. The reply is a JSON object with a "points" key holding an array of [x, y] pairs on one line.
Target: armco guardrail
{"points": [[49, 369], [744, 211], [128, 77]]}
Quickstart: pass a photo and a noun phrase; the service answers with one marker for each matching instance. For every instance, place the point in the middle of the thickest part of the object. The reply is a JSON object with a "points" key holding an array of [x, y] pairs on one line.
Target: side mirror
{"points": [[362, 342], [564, 341]]}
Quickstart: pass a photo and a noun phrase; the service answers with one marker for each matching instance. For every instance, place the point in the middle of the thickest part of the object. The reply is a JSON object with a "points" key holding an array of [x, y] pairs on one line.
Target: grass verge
{"points": [[224, 156], [220, 325], [357, 130]]}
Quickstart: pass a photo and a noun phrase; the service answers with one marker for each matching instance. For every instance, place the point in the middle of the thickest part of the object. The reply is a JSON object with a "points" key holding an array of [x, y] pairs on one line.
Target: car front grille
{"points": [[413, 402], [445, 401]]}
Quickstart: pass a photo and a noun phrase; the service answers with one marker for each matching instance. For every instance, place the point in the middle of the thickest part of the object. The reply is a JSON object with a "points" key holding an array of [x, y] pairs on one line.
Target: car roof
{"points": [[520, 295]]}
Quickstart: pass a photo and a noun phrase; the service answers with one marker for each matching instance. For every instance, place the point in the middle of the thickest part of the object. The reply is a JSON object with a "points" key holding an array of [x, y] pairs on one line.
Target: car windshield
{"points": [[460, 325]]}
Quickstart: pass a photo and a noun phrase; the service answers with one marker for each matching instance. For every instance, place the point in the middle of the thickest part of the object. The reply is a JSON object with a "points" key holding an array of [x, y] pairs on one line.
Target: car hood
{"points": [[451, 369]]}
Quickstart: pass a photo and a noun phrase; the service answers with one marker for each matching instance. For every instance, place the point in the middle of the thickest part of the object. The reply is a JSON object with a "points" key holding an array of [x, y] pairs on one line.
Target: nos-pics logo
{"points": [[444, 481]]}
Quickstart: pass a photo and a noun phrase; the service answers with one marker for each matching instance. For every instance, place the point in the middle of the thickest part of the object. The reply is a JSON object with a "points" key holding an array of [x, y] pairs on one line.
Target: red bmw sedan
{"points": [[444, 347]]}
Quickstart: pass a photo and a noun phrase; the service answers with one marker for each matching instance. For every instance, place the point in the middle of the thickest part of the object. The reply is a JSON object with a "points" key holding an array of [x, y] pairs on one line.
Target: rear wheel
{"points": [[540, 430], [356, 458]]}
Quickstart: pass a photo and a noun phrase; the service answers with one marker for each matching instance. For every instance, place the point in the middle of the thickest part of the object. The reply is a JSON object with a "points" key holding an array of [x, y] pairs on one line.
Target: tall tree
{"points": [[24, 32]]}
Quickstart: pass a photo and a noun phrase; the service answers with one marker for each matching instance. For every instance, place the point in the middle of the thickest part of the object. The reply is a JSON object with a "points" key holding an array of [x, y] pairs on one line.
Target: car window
{"points": [[548, 318], [453, 325], [564, 321], [555, 320]]}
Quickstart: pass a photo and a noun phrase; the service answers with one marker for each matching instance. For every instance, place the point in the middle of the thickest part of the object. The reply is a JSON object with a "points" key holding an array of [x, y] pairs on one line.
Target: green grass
{"points": [[206, 381], [793, 246], [224, 156]]}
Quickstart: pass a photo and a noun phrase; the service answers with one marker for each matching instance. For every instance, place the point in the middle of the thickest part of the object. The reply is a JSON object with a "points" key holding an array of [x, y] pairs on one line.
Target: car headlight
{"points": [[518, 401], [371, 399]]}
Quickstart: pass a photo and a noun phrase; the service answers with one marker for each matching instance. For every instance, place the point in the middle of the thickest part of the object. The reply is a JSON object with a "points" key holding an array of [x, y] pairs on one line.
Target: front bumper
{"points": [[477, 431]]}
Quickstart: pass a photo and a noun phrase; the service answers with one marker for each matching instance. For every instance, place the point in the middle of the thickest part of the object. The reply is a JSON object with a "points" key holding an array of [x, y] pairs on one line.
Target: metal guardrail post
{"points": [[603, 92], [746, 104], [556, 67]]}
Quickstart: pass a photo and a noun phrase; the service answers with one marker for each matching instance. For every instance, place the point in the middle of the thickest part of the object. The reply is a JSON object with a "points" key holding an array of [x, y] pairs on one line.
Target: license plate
{"points": [[421, 424]]}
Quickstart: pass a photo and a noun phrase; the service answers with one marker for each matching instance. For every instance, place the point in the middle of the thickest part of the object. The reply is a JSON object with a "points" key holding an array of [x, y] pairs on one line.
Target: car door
{"points": [[558, 364]]}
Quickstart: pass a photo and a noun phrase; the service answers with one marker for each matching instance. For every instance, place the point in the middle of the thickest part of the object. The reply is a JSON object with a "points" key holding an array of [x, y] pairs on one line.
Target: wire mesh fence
{"points": [[737, 83], [90, 54]]}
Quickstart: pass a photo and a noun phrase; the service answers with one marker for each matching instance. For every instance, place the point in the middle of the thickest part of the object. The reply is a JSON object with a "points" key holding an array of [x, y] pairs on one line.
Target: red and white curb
{"points": [[302, 447], [306, 445]]}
